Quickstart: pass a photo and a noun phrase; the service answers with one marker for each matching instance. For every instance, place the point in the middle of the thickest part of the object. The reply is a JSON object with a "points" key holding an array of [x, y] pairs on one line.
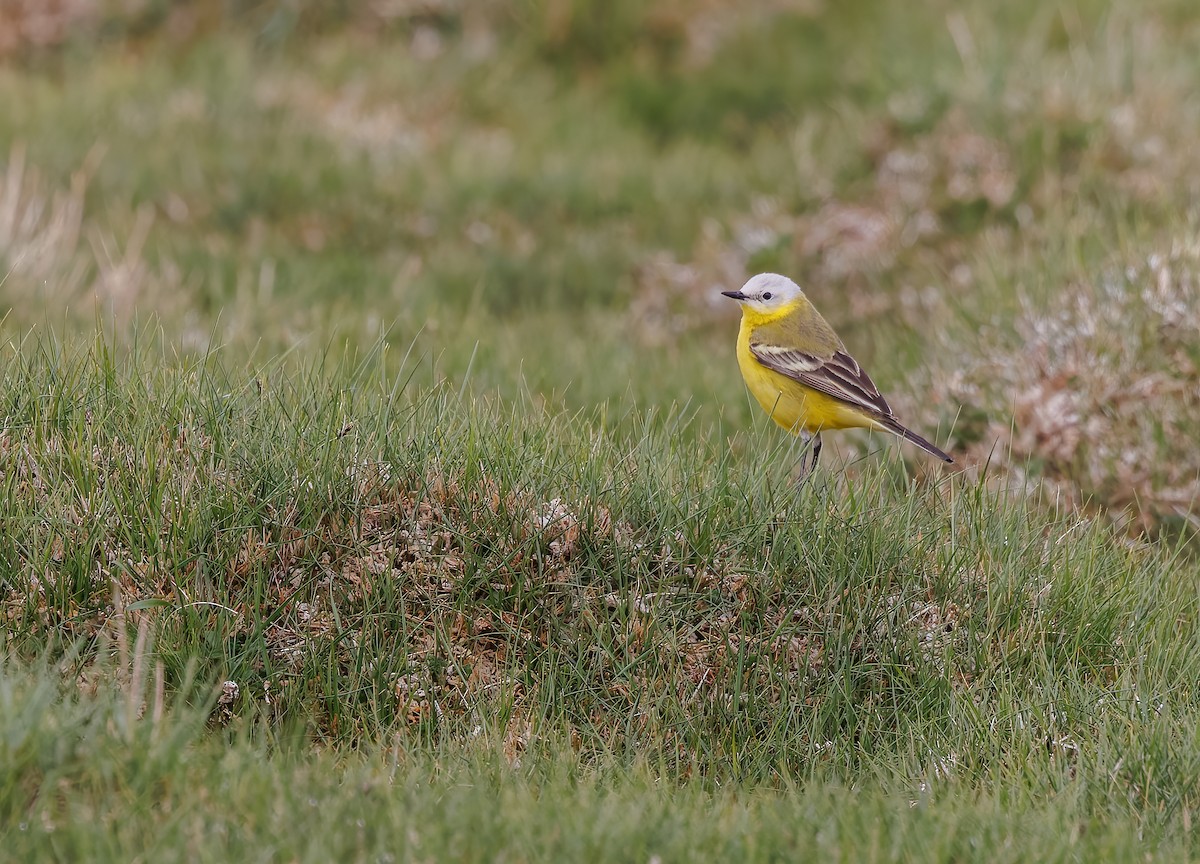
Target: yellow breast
{"points": [[792, 405]]}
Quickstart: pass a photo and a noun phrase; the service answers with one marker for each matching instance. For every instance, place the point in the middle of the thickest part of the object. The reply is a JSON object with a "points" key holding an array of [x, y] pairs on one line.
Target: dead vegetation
{"points": [[1102, 393], [55, 258], [26, 24]]}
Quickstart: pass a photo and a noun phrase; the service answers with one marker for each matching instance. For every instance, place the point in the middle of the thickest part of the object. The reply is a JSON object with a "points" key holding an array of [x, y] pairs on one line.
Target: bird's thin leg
{"points": [[812, 442]]}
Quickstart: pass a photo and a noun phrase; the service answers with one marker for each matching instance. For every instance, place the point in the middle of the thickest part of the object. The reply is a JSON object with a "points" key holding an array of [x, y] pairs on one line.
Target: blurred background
{"points": [[995, 204]]}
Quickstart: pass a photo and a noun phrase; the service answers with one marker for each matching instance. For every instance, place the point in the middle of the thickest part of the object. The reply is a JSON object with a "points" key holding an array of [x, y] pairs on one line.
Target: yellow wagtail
{"points": [[799, 371]]}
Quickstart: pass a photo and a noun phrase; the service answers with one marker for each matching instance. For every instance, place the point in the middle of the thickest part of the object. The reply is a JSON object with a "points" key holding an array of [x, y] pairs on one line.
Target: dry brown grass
{"points": [[40, 228], [26, 24], [59, 261], [1102, 393]]}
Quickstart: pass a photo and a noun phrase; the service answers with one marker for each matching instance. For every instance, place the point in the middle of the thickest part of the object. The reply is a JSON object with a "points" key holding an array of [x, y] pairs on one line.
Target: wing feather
{"points": [[838, 376]]}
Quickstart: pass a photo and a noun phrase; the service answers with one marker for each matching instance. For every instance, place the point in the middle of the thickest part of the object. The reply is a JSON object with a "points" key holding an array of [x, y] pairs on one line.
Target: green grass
{"points": [[170, 792], [381, 565], [379, 483]]}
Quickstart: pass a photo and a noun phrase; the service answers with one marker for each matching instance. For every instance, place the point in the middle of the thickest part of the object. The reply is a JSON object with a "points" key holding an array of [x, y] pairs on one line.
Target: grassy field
{"points": [[379, 483]]}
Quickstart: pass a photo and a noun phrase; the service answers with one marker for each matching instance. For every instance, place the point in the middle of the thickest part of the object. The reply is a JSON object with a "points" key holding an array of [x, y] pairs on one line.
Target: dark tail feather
{"points": [[909, 435]]}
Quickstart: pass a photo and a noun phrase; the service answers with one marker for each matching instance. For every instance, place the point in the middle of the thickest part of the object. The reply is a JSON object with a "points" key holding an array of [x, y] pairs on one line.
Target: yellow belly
{"points": [[792, 405]]}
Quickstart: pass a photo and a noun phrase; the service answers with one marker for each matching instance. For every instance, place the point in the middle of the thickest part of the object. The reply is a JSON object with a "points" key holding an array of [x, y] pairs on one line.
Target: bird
{"points": [[799, 371]]}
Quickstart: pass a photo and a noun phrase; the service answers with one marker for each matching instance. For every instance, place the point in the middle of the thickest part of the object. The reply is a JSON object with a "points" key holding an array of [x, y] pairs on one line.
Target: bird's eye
{"points": [[766, 295]]}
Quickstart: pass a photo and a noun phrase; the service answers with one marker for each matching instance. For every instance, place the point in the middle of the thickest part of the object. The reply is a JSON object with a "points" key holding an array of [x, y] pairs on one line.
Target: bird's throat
{"points": [[752, 318]]}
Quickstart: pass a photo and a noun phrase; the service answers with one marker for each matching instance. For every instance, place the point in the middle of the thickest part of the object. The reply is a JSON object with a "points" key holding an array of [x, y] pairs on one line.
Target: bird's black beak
{"points": [[734, 295]]}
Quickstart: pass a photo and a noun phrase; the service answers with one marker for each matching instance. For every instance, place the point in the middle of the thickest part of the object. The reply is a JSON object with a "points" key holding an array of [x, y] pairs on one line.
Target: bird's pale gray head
{"points": [[767, 292]]}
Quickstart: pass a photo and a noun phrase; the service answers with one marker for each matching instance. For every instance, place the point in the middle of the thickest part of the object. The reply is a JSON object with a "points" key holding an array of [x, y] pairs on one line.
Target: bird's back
{"points": [[800, 324]]}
